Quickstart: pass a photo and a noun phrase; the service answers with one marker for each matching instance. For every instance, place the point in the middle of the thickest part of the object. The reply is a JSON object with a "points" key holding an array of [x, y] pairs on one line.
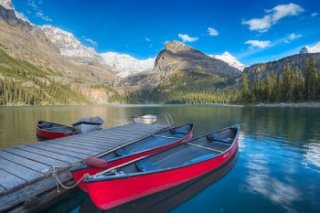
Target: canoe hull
{"points": [[112, 193], [51, 135], [78, 174]]}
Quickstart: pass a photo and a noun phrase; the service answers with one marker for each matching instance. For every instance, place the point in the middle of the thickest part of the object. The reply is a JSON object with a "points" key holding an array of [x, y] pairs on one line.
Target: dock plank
{"points": [[9, 181], [92, 143], [46, 160], [88, 149], [45, 153], [20, 171], [61, 151], [31, 164], [72, 149]]}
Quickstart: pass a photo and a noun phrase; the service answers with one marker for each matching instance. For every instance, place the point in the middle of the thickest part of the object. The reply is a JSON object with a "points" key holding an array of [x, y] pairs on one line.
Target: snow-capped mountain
{"points": [[311, 49], [125, 65], [67, 43], [229, 59], [6, 4]]}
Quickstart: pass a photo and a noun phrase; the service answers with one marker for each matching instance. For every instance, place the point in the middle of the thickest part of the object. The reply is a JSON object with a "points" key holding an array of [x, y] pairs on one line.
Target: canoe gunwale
{"points": [[84, 166], [95, 178]]}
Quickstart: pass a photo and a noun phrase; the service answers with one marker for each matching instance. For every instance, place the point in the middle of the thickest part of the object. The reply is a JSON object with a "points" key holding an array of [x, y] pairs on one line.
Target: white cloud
{"points": [[32, 4], [258, 44], [293, 36], [147, 39], [43, 17], [212, 31], [90, 41], [187, 38], [314, 14], [273, 16]]}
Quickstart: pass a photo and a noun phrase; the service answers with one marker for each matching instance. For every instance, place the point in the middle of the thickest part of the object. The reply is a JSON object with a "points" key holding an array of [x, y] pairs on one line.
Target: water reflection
{"points": [[261, 181], [312, 156], [278, 167]]}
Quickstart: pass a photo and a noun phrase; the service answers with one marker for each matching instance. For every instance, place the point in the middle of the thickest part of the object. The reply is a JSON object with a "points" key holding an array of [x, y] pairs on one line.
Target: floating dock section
{"points": [[26, 170]]}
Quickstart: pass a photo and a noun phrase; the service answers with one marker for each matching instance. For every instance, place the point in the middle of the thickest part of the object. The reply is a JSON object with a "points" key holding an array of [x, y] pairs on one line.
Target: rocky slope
{"points": [[177, 56], [25, 42], [295, 61]]}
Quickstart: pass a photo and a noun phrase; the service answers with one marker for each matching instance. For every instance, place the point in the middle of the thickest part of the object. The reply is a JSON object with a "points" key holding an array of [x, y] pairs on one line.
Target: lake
{"points": [[277, 168]]}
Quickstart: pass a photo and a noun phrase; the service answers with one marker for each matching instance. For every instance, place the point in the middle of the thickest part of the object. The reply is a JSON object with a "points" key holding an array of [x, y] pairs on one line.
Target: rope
{"points": [[60, 184]]}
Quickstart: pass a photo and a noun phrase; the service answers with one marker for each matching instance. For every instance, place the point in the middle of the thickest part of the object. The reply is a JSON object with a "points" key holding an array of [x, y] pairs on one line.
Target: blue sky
{"points": [[253, 31]]}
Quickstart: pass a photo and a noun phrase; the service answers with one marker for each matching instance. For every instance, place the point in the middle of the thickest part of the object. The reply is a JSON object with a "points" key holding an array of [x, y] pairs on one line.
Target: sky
{"points": [[253, 31]]}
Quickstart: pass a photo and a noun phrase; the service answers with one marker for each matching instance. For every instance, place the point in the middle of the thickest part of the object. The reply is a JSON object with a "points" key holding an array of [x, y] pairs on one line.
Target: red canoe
{"points": [[149, 145], [163, 170], [49, 130]]}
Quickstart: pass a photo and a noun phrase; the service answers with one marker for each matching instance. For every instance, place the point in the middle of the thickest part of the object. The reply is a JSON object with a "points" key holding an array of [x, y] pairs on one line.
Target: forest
{"points": [[290, 86]]}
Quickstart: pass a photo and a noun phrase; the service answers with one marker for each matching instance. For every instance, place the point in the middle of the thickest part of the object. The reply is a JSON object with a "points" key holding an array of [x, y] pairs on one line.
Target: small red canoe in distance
{"points": [[49, 130], [146, 146], [163, 170]]}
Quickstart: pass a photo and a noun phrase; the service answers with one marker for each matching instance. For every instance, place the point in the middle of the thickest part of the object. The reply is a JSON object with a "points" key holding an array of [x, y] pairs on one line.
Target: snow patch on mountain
{"points": [[229, 59], [311, 49], [6, 4], [68, 45], [124, 65]]}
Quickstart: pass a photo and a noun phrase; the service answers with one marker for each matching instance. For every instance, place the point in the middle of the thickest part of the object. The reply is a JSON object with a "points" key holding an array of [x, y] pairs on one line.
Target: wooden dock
{"points": [[26, 170]]}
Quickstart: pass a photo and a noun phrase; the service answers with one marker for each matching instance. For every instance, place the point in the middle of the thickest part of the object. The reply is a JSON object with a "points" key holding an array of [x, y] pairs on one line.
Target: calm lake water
{"points": [[277, 168]]}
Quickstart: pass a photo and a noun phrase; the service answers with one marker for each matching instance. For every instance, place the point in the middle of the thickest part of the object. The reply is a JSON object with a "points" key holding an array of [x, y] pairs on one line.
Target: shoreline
{"points": [[302, 104]]}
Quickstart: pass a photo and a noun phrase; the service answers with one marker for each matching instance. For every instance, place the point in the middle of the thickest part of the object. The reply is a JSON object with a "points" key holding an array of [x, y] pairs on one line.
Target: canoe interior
{"points": [[54, 127], [151, 142], [183, 154]]}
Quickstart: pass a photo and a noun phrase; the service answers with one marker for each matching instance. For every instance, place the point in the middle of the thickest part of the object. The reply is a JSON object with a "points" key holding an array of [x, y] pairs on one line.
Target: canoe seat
{"points": [[145, 166], [121, 152], [96, 162]]}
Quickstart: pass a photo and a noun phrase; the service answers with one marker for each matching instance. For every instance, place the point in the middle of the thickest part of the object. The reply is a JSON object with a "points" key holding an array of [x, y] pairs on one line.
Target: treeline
{"points": [[187, 88], [291, 86], [13, 93]]}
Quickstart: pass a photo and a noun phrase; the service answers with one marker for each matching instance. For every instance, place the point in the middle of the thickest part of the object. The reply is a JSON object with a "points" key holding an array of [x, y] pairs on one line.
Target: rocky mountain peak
{"points": [[229, 59], [7, 4], [67, 43], [176, 46], [311, 49]]}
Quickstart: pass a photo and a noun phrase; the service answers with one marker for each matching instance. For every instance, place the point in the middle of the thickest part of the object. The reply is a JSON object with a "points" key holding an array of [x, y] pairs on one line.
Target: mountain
{"points": [[68, 45], [125, 65], [45, 61], [181, 74], [7, 4], [261, 70], [229, 59], [311, 49], [177, 56]]}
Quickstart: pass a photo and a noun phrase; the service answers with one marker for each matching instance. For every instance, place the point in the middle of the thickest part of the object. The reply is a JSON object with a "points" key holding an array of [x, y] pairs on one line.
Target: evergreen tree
{"points": [[310, 80]]}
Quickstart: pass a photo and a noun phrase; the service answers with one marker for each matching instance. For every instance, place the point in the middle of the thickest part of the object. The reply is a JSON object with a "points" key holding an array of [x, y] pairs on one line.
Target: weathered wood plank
{"points": [[100, 142], [20, 171], [53, 155], [70, 145], [61, 151], [72, 149], [30, 191], [2, 190], [90, 143], [31, 164], [46, 160], [9, 181]]}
